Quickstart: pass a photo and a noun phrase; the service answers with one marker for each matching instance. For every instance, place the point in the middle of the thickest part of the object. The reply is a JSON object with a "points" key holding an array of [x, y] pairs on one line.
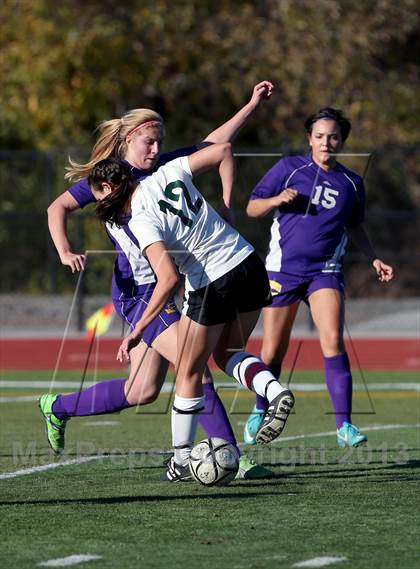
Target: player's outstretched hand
{"points": [[126, 345], [74, 260], [287, 196], [261, 91], [122, 354], [385, 272]]}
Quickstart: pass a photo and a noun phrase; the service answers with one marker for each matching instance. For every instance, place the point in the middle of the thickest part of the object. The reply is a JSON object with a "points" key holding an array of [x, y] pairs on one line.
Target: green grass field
{"points": [[104, 498]]}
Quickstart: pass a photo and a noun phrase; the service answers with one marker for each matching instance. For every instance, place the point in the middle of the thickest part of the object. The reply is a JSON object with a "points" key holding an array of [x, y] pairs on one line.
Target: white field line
{"points": [[102, 423], [319, 562], [70, 560], [48, 466], [41, 384], [168, 386], [331, 433], [19, 399], [83, 459], [384, 386]]}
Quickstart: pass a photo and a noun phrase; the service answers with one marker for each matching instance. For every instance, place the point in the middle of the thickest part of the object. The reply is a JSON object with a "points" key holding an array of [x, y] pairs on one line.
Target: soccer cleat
{"points": [[349, 436], [55, 427], [250, 470], [253, 425], [276, 417], [176, 472]]}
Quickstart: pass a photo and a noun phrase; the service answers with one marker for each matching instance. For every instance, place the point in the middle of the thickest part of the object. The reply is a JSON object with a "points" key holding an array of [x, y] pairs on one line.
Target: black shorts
{"points": [[243, 289]]}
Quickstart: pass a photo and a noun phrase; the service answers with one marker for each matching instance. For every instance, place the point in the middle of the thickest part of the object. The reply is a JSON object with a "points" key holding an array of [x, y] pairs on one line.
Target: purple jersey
{"points": [[131, 270], [309, 234]]}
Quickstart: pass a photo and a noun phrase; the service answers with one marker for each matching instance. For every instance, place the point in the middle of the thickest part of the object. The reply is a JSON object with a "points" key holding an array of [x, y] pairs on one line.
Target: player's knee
{"points": [[332, 343], [148, 398], [143, 397], [272, 354]]}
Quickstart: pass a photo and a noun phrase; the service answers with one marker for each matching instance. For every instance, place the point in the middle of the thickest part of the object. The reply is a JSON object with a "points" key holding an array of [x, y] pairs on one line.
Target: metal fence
{"points": [[30, 180]]}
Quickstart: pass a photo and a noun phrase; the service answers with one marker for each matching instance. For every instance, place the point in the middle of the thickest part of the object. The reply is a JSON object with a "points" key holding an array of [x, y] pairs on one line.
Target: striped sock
{"points": [[261, 403], [253, 374]]}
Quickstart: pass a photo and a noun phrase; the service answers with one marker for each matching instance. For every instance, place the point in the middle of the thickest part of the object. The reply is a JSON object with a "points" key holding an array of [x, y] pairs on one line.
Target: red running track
{"points": [[371, 353]]}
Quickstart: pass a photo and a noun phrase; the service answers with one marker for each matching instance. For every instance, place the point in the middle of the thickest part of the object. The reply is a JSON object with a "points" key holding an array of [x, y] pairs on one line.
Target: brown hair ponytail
{"points": [[116, 174]]}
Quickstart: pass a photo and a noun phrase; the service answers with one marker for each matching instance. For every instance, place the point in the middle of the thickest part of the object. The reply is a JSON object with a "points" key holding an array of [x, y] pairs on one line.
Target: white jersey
{"points": [[168, 207]]}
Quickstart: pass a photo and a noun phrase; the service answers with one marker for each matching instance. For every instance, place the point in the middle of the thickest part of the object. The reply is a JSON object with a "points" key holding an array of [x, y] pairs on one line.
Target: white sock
{"points": [[264, 385], [185, 412]]}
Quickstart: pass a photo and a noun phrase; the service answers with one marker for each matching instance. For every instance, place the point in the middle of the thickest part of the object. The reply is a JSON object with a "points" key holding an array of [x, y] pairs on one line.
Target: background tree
{"points": [[67, 65]]}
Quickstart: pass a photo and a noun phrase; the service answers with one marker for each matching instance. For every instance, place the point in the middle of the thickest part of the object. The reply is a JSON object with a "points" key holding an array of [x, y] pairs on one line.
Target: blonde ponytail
{"points": [[112, 140]]}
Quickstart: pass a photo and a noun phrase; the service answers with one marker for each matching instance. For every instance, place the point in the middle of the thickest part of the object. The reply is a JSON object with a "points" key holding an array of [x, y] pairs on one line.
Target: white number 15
{"points": [[328, 200]]}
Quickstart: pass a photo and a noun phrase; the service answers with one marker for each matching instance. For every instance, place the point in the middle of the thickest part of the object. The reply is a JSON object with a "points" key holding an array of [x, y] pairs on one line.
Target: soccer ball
{"points": [[214, 462]]}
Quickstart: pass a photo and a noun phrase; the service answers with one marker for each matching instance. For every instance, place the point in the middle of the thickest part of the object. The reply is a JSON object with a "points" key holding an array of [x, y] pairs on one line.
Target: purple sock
{"points": [[261, 403], [339, 385], [214, 419], [103, 397]]}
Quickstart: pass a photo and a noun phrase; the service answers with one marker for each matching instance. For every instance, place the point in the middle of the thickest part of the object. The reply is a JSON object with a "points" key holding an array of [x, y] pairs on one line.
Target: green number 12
{"points": [[169, 193]]}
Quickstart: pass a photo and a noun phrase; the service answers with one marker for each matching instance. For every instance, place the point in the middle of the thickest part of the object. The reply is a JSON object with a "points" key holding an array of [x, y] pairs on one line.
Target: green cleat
{"points": [[250, 470], [350, 436], [55, 427]]}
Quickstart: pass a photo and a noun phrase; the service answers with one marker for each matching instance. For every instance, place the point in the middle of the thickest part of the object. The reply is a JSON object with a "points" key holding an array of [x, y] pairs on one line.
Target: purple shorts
{"points": [[131, 308], [290, 289]]}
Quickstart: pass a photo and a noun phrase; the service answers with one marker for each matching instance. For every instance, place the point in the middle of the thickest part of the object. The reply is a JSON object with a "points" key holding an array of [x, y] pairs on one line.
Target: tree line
{"points": [[68, 65]]}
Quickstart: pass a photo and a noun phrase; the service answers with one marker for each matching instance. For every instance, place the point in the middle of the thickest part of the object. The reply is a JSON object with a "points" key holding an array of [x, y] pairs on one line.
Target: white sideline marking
{"points": [[330, 433], [403, 386], [41, 384], [81, 460], [319, 561], [102, 423], [387, 386], [169, 386], [49, 466], [19, 398], [70, 560], [89, 458]]}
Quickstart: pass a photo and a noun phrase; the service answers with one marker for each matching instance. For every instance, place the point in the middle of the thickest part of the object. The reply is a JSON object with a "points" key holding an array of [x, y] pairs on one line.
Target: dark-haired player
{"points": [[316, 202], [226, 284], [137, 137]]}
